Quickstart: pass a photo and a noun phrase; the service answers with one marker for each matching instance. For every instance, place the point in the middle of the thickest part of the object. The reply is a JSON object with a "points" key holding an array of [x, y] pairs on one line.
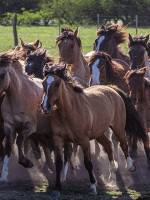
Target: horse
{"points": [[108, 40], [139, 87], [69, 44], [22, 93], [88, 114], [105, 71], [137, 52], [35, 62]]}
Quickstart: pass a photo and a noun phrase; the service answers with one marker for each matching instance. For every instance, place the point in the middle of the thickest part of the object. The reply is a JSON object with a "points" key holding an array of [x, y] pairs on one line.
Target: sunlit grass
{"points": [[48, 35]]}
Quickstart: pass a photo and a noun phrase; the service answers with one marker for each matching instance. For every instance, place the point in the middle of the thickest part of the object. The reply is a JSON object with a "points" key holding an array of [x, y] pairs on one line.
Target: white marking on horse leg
{"points": [[93, 189], [64, 172], [95, 73], [99, 41], [113, 169], [130, 165], [5, 169]]}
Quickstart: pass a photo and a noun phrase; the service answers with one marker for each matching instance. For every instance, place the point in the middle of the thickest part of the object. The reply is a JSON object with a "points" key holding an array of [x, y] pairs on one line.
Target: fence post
{"points": [[136, 23], [97, 21], [15, 30], [59, 18]]}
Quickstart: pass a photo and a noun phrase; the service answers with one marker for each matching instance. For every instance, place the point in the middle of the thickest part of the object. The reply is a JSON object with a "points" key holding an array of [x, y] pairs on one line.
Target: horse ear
{"points": [[36, 43], [130, 38], [28, 53], [146, 39], [62, 30], [22, 43], [76, 31], [102, 27]]}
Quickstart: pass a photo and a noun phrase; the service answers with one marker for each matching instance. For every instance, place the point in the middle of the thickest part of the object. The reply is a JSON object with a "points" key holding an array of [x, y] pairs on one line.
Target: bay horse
{"points": [[69, 44], [139, 87], [108, 40], [105, 71], [22, 93], [78, 116], [137, 52]]}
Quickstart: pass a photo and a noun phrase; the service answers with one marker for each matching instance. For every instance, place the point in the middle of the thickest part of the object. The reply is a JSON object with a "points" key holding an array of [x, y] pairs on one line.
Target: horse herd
{"points": [[77, 101]]}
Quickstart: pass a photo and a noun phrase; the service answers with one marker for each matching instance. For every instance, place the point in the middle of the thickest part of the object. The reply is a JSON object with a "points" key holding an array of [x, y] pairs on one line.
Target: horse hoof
{"points": [[55, 193], [3, 184], [26, 163], [92, 192]]}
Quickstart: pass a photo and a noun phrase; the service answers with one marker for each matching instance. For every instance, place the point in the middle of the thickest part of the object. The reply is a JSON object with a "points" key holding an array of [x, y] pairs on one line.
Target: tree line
{"points": [[37, 12]]}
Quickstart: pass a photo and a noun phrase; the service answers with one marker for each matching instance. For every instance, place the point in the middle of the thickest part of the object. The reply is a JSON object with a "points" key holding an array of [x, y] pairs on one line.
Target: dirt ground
{"points": [[32, 184]]}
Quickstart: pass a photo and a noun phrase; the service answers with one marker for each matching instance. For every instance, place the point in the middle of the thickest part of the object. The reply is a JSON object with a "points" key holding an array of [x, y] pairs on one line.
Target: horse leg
{"points": [[10, 138], [106, 143], [120, 134], [133, 145], [88, 165], [72, 159], [58, 150], [27, 130], [2, 136], [147, 149], [67, 158]]}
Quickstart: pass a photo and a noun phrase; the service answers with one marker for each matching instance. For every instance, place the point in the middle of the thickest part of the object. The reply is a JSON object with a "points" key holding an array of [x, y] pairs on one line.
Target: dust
{"points": [[77, 172]]}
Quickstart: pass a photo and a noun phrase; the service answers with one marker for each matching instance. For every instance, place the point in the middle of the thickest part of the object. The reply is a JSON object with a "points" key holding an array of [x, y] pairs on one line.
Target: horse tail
{"points": [[134, 123]]}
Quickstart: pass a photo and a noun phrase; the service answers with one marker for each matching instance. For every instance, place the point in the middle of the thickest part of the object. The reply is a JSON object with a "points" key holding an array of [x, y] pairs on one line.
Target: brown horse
{"points": [[105, 71], [140, 93], [22, 93], [88, 114], [137, 52], [70, 53], [108, 39]]}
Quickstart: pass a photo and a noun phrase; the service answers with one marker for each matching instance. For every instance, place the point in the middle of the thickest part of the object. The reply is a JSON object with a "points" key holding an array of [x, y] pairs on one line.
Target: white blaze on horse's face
{"points": [[95, 73], [99, 41], [49, 81]]}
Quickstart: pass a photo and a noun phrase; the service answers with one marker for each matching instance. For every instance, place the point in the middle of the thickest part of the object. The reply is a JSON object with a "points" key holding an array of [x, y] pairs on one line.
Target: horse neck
{"points": [[110, 74], [116, 53], [80, 67], [65, 99]]}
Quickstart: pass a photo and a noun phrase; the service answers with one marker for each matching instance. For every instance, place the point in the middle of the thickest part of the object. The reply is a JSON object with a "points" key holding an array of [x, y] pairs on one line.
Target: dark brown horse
{"points": [[88, 113], [105, 71], [137, 51], [140, 93], [70, 53], [35, 62], [108, 40]]}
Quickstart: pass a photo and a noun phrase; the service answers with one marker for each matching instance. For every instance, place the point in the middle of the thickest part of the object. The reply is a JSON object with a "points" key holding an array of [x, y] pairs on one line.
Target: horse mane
{"points": [[61, 72], [98, 54], [117, 30], [68, 33], [136, 41], [6, 59]]}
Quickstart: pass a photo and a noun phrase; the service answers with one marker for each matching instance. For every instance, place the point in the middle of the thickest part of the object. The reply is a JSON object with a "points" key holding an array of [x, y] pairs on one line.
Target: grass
{"points": [[48, 35]]}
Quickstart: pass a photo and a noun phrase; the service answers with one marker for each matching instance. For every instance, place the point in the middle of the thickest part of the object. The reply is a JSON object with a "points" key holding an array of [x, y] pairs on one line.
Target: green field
{"points": [[48, 36]]}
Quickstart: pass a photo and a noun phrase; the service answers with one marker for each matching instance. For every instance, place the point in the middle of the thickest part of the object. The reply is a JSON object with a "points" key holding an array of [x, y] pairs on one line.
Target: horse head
{"points": [[136, 83], [56, 78], [98, 63], [35, 62], [137, 52], [69, 45], [108, 38]]}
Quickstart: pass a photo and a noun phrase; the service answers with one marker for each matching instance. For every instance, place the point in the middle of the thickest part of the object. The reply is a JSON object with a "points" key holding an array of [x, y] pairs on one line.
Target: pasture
{"points": [[48, 35], [129, 185]]}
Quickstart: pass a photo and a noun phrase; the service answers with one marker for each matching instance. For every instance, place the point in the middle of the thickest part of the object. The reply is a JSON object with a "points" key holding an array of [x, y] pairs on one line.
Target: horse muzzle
{"points": [[47, 109]]}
